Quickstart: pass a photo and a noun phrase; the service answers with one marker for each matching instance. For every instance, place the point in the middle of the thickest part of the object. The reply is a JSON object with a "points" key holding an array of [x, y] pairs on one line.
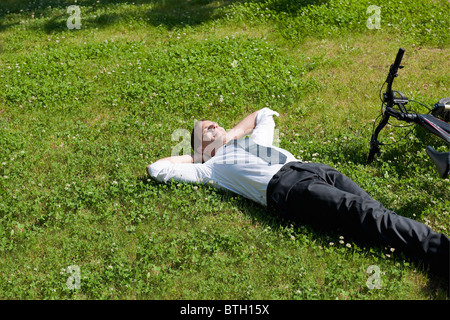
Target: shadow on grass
{"points": [[167, 13]]}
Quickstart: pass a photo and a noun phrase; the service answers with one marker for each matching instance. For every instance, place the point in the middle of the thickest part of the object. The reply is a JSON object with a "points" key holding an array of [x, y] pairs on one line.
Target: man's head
{"points": [[206, 138]]}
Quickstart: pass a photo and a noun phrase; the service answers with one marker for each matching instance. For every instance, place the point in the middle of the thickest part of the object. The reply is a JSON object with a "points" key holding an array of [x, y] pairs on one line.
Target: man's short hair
{"points": [[196, 140]]}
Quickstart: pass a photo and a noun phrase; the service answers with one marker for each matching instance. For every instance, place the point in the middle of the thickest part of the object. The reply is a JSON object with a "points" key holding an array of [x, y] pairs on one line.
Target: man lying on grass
{"points": [[311, 193]]}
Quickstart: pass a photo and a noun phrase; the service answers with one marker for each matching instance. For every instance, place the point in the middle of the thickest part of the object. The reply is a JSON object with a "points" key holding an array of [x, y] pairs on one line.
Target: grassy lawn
{"points": [[84, 111]]}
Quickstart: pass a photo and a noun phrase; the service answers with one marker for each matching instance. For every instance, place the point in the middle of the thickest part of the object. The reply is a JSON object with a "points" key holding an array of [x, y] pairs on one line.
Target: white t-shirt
{"points": [[232, 168]]}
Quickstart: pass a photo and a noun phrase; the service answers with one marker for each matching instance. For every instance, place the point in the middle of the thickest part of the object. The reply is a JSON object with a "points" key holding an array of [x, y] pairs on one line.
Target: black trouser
{"points": [[317, 194]]}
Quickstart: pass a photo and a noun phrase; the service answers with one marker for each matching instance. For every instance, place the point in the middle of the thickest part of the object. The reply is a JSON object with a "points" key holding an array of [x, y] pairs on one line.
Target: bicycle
{"points": [[435, 122]]}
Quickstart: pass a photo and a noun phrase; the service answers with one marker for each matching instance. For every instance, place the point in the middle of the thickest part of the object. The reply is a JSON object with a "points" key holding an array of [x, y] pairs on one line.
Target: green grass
{"points": [[82, 112]]}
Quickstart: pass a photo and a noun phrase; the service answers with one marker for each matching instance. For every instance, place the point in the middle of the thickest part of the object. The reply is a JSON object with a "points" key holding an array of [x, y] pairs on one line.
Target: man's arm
{"points": [[173, 160], [179, 168], [263, 133], [188, 158], [243, 128]]}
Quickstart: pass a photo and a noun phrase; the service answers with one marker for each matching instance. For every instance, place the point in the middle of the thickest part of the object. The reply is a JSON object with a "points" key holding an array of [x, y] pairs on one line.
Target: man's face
{"points": [[213, 137], [211, 131]]}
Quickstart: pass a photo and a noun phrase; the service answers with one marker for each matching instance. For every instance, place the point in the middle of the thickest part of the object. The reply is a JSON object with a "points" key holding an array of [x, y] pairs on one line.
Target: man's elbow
{"points": [[155, 170]]}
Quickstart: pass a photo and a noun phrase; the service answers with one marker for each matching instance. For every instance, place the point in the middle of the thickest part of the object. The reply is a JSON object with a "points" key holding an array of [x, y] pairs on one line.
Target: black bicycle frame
{"points": [[429, 122]]}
